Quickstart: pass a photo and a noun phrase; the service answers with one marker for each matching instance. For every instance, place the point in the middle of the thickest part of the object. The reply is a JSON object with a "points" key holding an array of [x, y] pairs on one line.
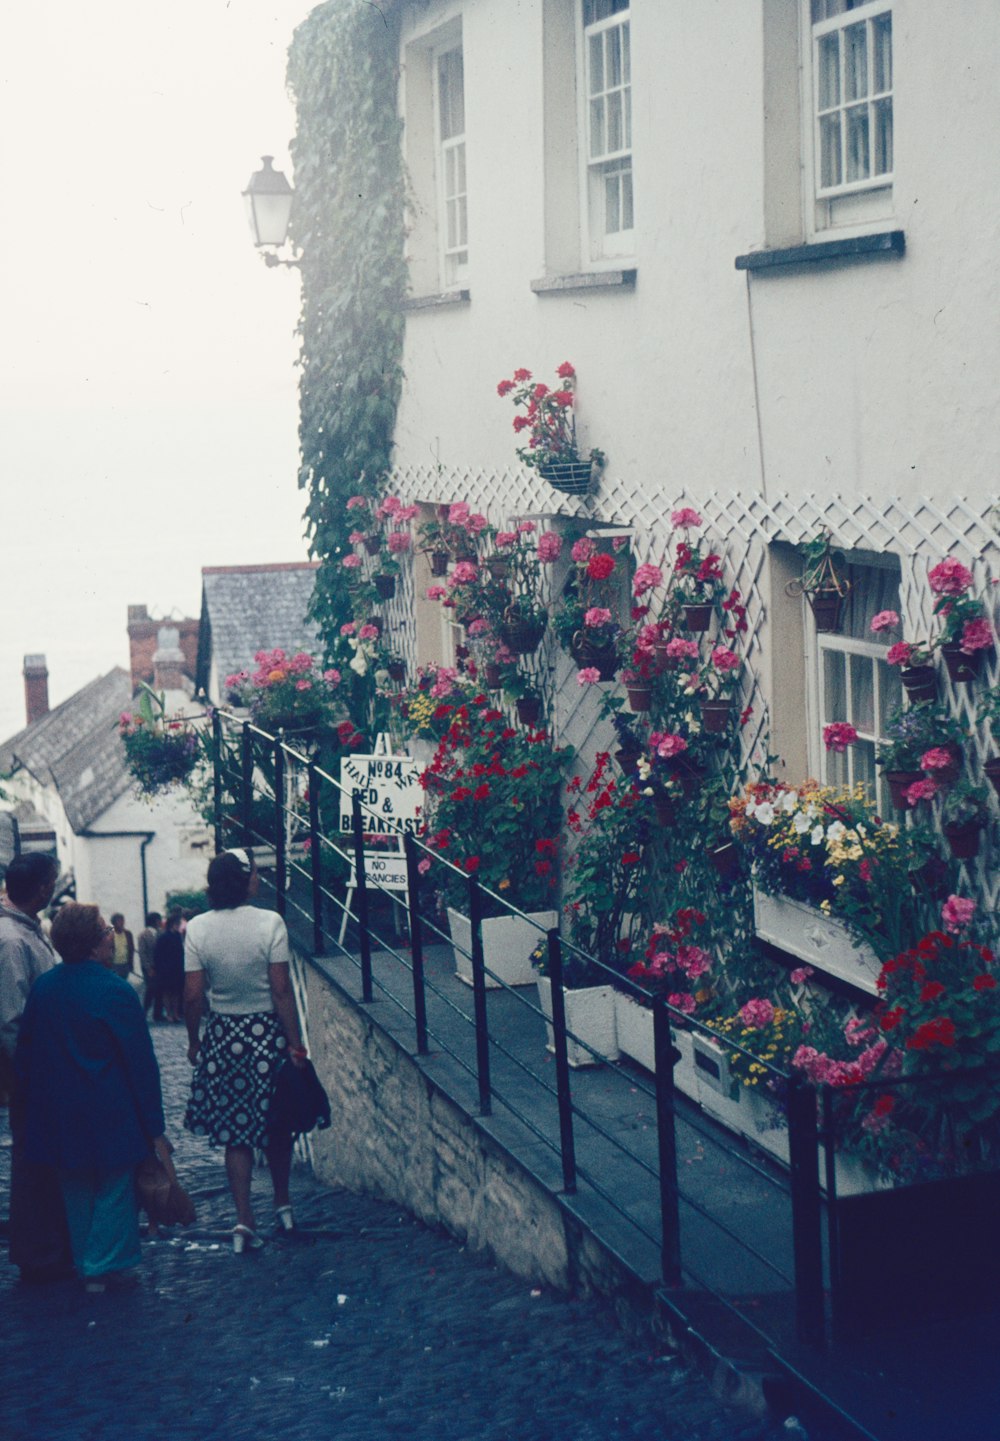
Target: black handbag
{"points": [[299, 1103]]}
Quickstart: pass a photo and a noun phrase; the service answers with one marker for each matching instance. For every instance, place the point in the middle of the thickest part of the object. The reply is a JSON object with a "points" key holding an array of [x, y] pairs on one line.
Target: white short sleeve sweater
{"points": [[234, 948]]}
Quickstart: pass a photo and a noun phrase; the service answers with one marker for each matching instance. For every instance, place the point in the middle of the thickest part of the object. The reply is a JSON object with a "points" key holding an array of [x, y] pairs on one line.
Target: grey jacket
{"points": [[24, 954]]}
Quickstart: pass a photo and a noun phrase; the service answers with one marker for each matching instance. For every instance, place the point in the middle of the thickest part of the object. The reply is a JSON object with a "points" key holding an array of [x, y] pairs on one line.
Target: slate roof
{"points": [[246, 608], [77, 749]]}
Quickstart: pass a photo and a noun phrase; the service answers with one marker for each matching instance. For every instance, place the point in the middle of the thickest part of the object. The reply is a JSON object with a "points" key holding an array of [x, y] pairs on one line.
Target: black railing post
{"points": [[567, 1144], [279, 826], [217, 779], [361, 897], [416, 942], [479, 998], [807, 1227], [670, 1218], [316, 859], [828, 1143], [246, 784]]}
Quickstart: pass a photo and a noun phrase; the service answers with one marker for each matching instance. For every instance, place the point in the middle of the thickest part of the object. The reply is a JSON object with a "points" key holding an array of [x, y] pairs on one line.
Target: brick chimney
{"points": [[36, 687], [168, 660]]}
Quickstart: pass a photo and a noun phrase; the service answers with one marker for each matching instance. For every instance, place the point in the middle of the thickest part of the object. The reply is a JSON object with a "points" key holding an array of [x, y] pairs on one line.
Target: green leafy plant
{"points": [[911, 733], [966, 804], [548, 420], [161, 750]]}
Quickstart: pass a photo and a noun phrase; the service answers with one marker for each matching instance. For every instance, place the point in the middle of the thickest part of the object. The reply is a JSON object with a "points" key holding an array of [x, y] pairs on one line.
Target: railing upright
{"points": [[807, 1225], [670, 1220], [567, 1144], [280, 868], [217, 779], [316, 859], [361, 897], [246, 783], [479, 999], [416, 943]]}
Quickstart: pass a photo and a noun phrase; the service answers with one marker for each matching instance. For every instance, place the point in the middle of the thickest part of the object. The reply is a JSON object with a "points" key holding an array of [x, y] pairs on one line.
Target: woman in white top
{"points": [[237, 955]]}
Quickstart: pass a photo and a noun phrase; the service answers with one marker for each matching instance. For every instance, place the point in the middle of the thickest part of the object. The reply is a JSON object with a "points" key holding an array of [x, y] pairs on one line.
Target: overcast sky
{"points": [[147, 380]]}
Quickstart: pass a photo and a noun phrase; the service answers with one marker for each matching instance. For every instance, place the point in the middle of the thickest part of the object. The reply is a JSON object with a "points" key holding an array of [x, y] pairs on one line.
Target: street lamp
{"points": [[268, 200]]}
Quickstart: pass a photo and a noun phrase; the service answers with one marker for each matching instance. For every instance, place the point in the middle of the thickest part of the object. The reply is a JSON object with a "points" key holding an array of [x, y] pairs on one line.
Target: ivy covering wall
{"points": [[348, 224]]}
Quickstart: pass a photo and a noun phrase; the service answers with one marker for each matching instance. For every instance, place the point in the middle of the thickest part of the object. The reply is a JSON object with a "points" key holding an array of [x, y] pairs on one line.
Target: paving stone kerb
{"points": [[368, 1325]]}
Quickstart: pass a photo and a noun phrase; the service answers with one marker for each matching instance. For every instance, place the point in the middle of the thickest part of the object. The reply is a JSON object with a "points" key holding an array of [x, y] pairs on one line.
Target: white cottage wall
{"points": [[109, 870]]}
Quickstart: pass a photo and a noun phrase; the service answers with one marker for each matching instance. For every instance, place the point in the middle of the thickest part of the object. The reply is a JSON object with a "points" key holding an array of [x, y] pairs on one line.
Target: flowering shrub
{"points": [[964, 622], [548, 423], [592, 589], [676, 966], [286, 692], [160, 750], [829, 848], [697, 574], [912, 733], [492, 805]]}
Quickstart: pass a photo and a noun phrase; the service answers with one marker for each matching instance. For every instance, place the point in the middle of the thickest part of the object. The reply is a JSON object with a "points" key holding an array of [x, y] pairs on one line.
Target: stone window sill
{"points": [[445, 300], [886, 242], [585, 280]]}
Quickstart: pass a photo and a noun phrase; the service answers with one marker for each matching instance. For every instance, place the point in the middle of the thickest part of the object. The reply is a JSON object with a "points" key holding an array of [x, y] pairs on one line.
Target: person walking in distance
{"points": [[38, 1238], [168, 962], [237, 955], [152, 1000], [124, 951]]}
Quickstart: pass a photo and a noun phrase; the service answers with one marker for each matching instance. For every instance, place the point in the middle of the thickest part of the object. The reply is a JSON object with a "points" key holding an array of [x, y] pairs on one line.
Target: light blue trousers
{"points": [[103, 1220]]}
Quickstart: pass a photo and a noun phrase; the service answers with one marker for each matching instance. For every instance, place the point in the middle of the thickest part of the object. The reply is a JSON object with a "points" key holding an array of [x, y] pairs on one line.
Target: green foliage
{"points": [[194, 901], [347, 220]]}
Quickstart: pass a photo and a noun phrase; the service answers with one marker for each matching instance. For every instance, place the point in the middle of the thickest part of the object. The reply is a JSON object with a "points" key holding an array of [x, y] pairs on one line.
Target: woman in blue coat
{"points": [[93, 1107]]}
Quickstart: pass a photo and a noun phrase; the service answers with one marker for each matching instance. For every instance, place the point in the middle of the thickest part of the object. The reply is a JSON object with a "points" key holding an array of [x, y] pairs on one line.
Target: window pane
{"points": [[596, 51], [595, 10], [626, 34], [858, 167], [856, 62], [862, 694], [451, 97], [615, 135], [882, 53], [613, 57], [890, 691], [882, 138], [627, 108], [597, 144], [628, 217], [834, 686], [862, 757], [829, 150], [828, 66], [836, 768], [612, 207]]}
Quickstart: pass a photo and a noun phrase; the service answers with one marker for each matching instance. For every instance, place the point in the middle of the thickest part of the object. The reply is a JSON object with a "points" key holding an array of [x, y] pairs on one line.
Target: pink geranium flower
{"points": [[949, 577], [838, 736], [399, 540], [351, 562], [976, 635], [549, 547], [725, 659], [678, 649], [588, 676], [899, 654], [436, 592], [938, 758], [458, 513], [921, 791], [685, 519], [757, 1013], [597, 615], [647, 577], [464, 572], [505, 538], [667, 745], [583, 549], [885, 620], [956, 913]]}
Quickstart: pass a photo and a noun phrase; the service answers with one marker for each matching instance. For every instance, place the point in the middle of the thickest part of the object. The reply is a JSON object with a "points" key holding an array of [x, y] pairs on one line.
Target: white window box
{"points": [[820, 941], [508, 942], [590, 1015]]}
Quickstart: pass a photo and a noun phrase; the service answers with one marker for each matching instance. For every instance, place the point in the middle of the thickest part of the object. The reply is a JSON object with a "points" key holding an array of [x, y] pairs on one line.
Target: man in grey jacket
{"points": [[39, 1241]]}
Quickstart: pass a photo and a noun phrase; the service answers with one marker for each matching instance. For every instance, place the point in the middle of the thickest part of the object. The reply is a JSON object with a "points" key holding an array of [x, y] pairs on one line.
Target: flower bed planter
{"points": [[508, 942], [590, 1015], [634, 1026], [719, 1093], [804, 932]]}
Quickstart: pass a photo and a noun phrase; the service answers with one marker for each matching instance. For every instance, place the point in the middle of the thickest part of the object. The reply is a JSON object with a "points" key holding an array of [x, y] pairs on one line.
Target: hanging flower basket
{"points": [[725, 859], [521, 634], [493, 675], [498, 567], [529, 710], [572, 477], [899, 783], [827, 607], [640, 698], [385, 585], [439, 562], [373, 544], [603, 658], [698, 616], [919, 682], [992, 772], [397, 670], [378, 623], [628, 762], [688, 778], [715, 715], [963, 839], [961, 667]]}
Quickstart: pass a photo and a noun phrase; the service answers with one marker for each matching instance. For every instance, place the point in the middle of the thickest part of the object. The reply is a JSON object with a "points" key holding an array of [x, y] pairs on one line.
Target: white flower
{"points": [[787, 802], [764, 813], [817, 836], [359, 665], [836, 832], [800, 823]]}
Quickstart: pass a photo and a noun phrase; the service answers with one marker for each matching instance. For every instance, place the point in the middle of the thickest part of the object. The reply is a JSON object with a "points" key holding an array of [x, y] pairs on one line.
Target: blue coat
{"points": [[90, 1081]]}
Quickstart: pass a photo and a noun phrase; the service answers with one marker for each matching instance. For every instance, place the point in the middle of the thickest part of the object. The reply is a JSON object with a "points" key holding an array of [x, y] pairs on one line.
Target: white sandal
{"points": [[245, 1240]]}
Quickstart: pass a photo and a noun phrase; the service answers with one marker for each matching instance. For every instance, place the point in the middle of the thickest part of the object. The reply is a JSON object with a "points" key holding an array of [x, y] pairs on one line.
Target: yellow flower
{"points": [[825, 907]]}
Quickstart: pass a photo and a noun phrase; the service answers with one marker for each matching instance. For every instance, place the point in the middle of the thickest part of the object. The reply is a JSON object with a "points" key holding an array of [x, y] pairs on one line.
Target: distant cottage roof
{"points": [[77, 749], [247, 608]]}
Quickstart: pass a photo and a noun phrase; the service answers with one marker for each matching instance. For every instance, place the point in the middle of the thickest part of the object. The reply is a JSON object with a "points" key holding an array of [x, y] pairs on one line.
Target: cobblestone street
{"points": [[365, 1325]]}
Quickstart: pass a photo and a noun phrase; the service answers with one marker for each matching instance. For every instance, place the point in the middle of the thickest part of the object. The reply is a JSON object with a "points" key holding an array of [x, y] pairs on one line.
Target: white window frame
{"points": [[600, 244], [451, 154], [847, 203]]}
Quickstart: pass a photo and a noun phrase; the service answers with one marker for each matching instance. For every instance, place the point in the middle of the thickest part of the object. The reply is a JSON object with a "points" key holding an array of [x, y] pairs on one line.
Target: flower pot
{"points": [[521, 635], [725, 860], [634, 1029], [899, 783], [378, 623], [492, 675], [508, 942], [529, 710], [949, 773], [961, 667], [826, 607], [822, 941], [665, 808], [991, 770], [372, 544], [462, 652], [719, 1093], [572, 477], [919, 682], [385, 585], [498, 566], [590, 1016], [687, 776], [590, 655], [640, 698], [963, 839], [628, 762], [715, 716], [439, 562], [698, 616], [463, 548], [397, 670]]}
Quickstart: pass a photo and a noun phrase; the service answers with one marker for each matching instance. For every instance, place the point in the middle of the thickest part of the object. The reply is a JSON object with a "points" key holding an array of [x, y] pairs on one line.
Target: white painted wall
{"points": [[874, 376]]}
